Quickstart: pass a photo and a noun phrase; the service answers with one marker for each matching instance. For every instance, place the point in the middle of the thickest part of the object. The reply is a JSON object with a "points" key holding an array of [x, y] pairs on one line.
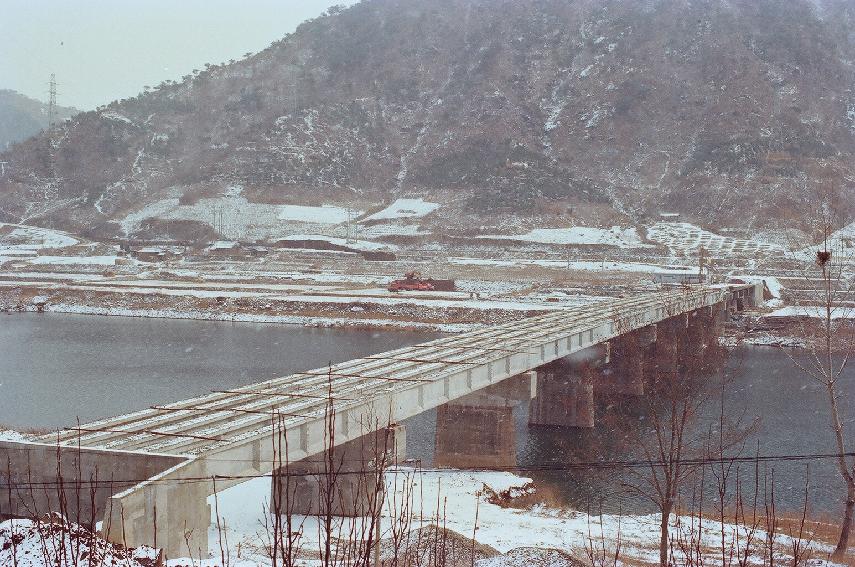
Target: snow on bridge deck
{"points": [[389, 386]]}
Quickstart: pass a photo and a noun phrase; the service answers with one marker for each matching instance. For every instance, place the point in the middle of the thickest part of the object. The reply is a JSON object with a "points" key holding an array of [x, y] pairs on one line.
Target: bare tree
{"points": [[673, 444], [828, 334]]}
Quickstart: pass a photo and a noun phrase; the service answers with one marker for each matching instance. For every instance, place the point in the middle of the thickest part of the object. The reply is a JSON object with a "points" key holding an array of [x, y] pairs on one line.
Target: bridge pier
{"points": [[663, 358], [565, 390], [478, 430], [343, 481], [624, 375]]}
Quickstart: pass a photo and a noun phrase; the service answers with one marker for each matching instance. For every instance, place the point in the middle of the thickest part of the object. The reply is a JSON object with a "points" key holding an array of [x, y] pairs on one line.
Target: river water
{"points": [[56, 368]]}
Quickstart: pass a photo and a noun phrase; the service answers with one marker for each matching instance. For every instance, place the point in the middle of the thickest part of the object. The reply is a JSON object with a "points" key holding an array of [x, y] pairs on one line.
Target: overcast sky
{"points": [[103, 50]]}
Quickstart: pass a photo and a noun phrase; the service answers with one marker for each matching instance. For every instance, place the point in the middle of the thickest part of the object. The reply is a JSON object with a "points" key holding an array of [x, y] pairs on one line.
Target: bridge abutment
{"points": [[171, 514], [82, 483]]}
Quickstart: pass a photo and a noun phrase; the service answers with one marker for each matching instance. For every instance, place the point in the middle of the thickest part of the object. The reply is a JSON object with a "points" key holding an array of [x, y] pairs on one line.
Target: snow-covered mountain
{"points": [[733, 112]]}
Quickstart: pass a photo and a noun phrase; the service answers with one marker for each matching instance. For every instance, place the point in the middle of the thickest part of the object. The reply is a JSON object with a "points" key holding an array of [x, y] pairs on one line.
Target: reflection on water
{"points": [[57, 367]]}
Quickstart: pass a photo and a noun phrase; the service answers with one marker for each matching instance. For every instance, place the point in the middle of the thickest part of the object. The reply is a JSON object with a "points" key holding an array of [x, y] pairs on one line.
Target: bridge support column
{"points": [[478, 430], [719, 312], [565, 394], [664, 355], [624, 375], [343, 481], [701, 351]]}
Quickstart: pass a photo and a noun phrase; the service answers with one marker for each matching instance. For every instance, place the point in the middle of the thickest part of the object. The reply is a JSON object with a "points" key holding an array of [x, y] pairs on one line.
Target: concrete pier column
{"points": [[663, 355], [478, 430], [344, 480], [701, 348], [624, 375], [719, 312], [565, 395]]}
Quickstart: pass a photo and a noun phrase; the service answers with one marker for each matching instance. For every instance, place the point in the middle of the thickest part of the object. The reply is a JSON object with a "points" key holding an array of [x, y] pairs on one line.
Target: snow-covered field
{"points": [[25, 237], [813, 311], [686, 237], [325, 214], [452, 499], [75, 260], [234, 215], [615, 236], [363, 245], [404, 208], [581, 265], [19, 241]]}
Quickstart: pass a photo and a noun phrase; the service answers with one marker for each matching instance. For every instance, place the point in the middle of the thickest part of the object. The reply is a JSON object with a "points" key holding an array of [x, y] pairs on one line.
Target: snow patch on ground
{"points": [[580, 265], [325, 214], [683, 237], [380, 230], [234, 216], [615, 236], [57, 543], [23, 238], [450, 498], [116, 117], [404, 208], [132, 221], [75, 260], [813, 311], [10, 435]]}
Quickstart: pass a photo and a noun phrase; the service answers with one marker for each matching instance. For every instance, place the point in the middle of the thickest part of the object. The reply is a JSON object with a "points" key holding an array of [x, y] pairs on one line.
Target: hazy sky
{"points": [[103, 50]]}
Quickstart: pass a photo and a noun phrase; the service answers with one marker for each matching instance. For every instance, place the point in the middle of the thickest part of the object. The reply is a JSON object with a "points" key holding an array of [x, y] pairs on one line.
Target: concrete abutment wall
{"points": [[80, 483]]}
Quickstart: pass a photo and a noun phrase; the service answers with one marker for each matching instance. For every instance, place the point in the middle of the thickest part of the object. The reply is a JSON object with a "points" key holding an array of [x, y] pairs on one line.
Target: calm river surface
{"points": [[55, 368]]}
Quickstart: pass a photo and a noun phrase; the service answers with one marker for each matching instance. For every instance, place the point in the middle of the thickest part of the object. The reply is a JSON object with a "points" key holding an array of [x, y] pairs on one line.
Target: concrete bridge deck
{"points": [[229, 434]]}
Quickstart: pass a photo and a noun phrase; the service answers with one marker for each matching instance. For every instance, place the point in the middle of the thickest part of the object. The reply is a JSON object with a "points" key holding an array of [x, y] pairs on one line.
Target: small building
{"points": [[158, 253], [256, 251], [227, 248]]}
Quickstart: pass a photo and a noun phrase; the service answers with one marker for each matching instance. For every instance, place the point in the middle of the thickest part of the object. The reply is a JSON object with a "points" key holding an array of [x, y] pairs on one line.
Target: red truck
{"points": [[412, 282]]}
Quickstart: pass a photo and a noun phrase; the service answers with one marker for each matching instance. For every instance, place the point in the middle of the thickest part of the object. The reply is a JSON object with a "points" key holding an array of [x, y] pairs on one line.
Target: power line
{"points": [[564, 467]]}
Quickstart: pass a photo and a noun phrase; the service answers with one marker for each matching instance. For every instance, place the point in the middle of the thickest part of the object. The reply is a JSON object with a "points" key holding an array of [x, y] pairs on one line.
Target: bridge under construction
{"points": [[151, 471]]}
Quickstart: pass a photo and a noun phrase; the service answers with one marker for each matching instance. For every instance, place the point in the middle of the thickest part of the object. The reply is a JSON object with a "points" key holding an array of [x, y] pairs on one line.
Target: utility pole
{"points": [[350, 236], [52, 101], [52, 191], [3, 168], [701, 265]]}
